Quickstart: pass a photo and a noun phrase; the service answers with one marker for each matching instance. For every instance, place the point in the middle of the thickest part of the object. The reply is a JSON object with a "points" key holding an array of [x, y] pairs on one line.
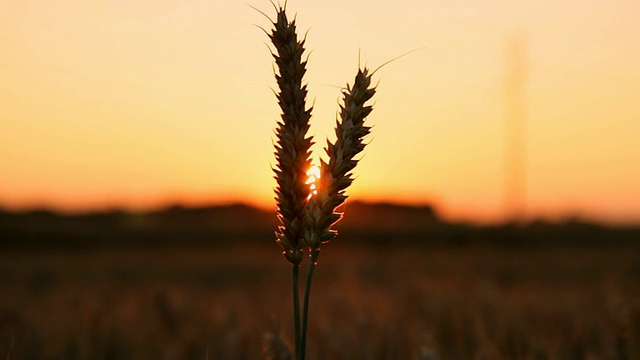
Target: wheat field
{"points": [[382, 302]]}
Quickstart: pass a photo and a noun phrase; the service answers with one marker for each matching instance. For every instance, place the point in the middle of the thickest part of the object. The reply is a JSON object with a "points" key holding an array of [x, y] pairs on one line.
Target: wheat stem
{"points": [[292, 151], [296, 306], [306, 220], [315, 253]]}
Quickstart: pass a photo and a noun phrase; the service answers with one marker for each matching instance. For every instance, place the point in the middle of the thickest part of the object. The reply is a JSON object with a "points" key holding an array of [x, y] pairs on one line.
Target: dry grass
{"points": [[372, 304]]}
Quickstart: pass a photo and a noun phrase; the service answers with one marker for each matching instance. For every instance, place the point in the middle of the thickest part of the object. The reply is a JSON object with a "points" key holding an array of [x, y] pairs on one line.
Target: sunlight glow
{"points": [[312, 180], [182, 88]]}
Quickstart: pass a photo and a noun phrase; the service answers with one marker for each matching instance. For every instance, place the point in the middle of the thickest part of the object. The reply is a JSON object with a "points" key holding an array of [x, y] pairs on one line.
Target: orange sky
{"points": [[140, 103]]}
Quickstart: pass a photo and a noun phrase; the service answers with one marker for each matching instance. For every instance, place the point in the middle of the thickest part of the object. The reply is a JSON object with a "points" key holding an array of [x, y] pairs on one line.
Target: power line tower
{"points": [[515, 149]]}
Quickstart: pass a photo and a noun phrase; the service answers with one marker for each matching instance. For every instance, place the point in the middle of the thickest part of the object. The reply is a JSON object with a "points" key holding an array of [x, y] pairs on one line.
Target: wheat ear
{"points": [[292, 150], [306, 221], [274, 348], [336, 176], [292, 146]]}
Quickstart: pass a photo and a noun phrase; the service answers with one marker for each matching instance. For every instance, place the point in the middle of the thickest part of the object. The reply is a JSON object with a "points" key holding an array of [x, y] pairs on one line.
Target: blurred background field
{"points": [[517, 120], [431, 291]]}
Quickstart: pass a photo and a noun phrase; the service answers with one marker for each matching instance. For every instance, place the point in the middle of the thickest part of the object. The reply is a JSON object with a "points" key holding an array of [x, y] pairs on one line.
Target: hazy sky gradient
{"points": [[141, 103]]}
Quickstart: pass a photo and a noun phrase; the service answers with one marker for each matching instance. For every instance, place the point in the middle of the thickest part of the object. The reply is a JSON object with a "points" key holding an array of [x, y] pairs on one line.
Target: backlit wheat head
{"points": [[292, 146], [307, 220], [336, 176], [307, 216]]}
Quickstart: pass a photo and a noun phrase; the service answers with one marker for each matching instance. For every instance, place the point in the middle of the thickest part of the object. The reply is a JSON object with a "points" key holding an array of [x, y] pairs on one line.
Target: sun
{"points": [[313, 174]]}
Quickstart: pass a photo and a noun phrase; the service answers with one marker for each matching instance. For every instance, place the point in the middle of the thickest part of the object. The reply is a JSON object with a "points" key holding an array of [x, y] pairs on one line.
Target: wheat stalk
{"points": [[336, 176], [306, 219], [293, 145], [292, 149]]}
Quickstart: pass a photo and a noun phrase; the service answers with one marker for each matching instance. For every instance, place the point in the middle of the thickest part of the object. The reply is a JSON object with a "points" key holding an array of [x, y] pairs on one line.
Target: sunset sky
{"points": [[143, 103]]}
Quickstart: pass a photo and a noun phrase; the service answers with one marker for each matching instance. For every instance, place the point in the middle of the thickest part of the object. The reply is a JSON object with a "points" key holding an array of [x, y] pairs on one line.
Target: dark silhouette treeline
{"points": [[378, 224]]}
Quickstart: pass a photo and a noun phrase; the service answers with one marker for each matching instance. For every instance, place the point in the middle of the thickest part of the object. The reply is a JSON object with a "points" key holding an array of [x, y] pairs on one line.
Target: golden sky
{"points": [[141, 103]]}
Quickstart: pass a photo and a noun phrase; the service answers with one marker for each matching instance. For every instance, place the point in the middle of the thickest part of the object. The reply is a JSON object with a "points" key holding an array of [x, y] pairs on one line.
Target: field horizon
{"points": [[367, 223]]}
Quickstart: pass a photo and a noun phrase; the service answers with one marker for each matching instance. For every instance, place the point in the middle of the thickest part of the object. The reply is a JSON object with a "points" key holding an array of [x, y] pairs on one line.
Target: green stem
{"points": [[305, 312], [296, 307]]}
